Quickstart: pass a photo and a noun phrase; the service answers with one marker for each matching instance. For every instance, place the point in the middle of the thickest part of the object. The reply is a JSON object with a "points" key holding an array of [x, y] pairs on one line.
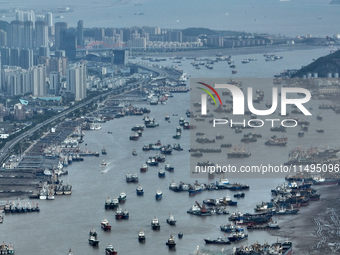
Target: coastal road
{"points": [[7, 149]]}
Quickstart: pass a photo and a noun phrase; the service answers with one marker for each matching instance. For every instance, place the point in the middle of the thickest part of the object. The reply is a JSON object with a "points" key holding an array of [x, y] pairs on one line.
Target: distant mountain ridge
{"points": [[335, 2], [322, 66]]}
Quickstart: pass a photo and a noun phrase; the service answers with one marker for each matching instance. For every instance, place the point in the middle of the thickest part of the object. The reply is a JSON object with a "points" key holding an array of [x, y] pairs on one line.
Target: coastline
{"points": [[239, 51], [315, 230]]}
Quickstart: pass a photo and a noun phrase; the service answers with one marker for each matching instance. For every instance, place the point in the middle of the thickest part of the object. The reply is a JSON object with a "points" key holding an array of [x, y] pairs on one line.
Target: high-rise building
{"points": [[15, 57], [0, 79], [68, 42], [39, 18], [110, 32], [3, 38], [58, 64], [120, 57], [49, 19], [41, 34], [44, 51], [26, 58], [5, 56], [126, 34], [28, 35], [4, 25], [60, 54], [54, 84], [15, 34], [76, 80], [80, 33], [15, 81], [49, 22], [57, 28], [38, 80], [174, 36], [99, 33]]}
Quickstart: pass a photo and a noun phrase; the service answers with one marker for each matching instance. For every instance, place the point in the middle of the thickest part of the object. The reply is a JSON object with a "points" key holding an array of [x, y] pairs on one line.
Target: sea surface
{"points": [[65, 222]]}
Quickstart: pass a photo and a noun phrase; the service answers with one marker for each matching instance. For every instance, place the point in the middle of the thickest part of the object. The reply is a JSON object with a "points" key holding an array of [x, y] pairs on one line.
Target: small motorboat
{"points": [[103, 164]]}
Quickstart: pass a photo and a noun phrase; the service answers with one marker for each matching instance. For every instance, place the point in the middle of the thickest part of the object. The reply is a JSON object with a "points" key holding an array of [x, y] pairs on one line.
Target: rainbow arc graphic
{"points": [[209, 93]]}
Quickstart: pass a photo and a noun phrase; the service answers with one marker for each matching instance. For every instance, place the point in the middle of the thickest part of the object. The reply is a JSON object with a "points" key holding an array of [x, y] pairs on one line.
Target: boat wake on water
{"points": [[106, 169]]}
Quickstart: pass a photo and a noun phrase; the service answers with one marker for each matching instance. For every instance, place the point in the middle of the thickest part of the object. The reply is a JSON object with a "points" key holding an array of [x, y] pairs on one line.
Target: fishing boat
{"points": [[177, 136], [125, 215], [199, 210], [231, 228], [134, 136], [177, 147], [238, 153], [93, 238], [239, 194], [161, 173], [6, 249], [180, 235], [222, 183], [159, 194], [167, 117], [171, 242], [171, 220], [320, 130], [134, 152], [219, 240], [301, 133], [139, 191], [114, 203], [236, 237], [284, 211], [144, 168], [122, 197], [325, 181], [134, 178], [155, 224], [128, 177], [109, 250], [141, 236], [104, 151], [169, 167], [119, 213], [105, 225]]}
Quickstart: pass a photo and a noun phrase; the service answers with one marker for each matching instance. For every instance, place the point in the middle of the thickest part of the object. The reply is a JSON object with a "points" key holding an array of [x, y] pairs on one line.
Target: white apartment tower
{"points": [[38, 80], [76, 80]]}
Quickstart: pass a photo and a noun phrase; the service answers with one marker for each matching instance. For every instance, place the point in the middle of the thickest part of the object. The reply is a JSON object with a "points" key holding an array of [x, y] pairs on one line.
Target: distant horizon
{"points": [[274, 17]]}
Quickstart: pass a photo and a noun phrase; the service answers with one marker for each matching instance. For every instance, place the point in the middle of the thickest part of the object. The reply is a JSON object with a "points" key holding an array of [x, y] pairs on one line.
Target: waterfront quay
{"points": [[23, 176]]}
